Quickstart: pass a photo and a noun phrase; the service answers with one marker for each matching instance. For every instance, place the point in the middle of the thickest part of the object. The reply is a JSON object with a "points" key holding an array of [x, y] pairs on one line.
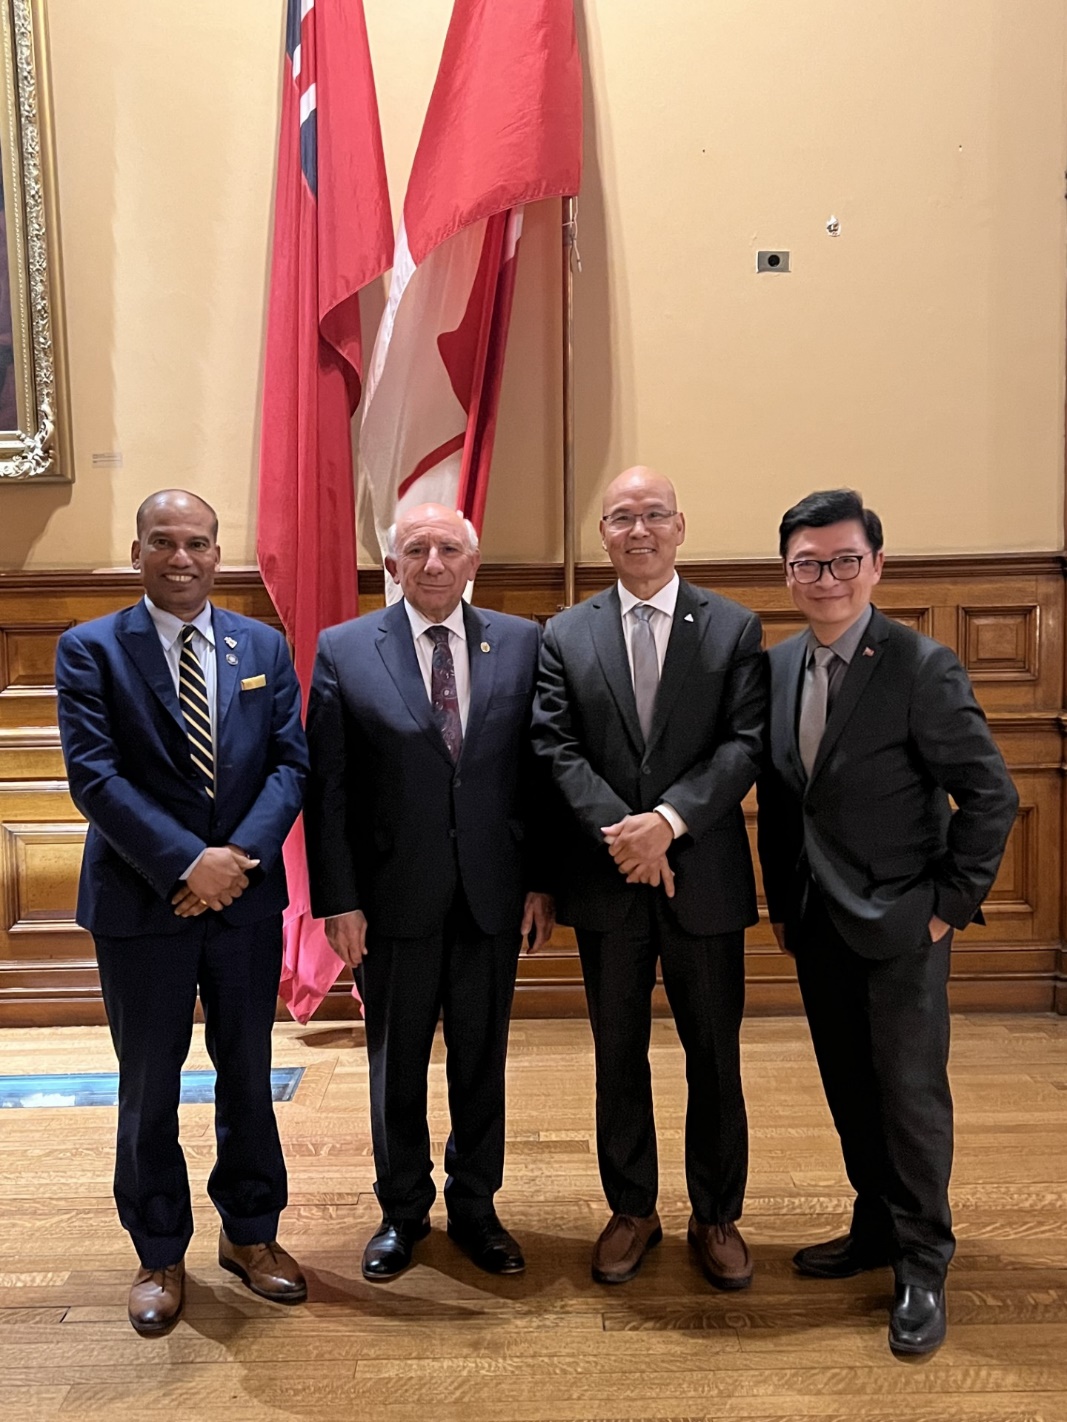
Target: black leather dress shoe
{"points": [[840, 1258], [487, 1243], [388, 1250], [917, 1324]]}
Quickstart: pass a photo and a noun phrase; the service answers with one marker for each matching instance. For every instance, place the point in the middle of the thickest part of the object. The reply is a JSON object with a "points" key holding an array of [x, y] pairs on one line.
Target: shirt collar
{"points": [[847, 645], [664, 601], [454, 621], [170, 627]]}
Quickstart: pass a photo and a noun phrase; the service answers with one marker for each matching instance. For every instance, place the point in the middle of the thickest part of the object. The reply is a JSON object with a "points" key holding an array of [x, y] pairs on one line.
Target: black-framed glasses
{"points": [[843, 568], [622, 521]]}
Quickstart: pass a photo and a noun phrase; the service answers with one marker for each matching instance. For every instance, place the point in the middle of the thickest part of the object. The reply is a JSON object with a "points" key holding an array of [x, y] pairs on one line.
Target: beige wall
{"points": [[919, 355]]}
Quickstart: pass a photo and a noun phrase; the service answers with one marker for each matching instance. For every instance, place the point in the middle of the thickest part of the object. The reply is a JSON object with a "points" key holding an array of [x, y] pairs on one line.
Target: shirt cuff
{"points": [[193, 865], [673, 818]]}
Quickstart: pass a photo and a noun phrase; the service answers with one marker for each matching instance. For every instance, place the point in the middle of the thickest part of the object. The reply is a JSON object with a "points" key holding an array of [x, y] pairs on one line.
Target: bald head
{"points": [[640, 481], [174, 502], [642, 529], [433, 555]]}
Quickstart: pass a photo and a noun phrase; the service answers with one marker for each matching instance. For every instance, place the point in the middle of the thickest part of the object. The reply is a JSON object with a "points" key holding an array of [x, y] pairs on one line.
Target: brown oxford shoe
{"points": [[624, 1242], [156, 1299], [723, 1254], [267, 1269]]}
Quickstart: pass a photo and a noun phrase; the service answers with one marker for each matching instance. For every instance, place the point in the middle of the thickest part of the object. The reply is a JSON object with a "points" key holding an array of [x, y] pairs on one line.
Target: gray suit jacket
{"points": [[701, 757], [873, 826]]}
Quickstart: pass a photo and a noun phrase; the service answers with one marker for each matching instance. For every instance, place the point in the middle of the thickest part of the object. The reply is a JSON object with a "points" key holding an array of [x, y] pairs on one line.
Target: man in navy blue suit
{"points": [[180, 724], [425, 856]]}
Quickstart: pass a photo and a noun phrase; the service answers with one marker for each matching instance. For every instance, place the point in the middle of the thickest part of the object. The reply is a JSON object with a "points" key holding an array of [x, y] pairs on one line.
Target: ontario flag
{"points": [[504, 128], [332, 236]]}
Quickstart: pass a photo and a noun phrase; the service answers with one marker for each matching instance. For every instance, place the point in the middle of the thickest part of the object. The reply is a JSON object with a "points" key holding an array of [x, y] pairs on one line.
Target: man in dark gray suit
{"points": [[867, 873], [650, 713]]}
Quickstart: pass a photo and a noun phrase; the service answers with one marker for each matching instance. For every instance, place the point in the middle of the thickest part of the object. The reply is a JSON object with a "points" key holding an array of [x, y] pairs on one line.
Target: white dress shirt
{"points": [[662, 620], [457, 645], [169, 630]]}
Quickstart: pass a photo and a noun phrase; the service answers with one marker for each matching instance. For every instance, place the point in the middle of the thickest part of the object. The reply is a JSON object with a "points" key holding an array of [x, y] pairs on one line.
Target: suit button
{"points": [[456, 784], [646, 770], [451, 834]]}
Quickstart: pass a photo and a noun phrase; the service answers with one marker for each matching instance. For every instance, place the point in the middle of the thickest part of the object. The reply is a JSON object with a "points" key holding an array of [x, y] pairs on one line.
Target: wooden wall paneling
{"points": [[1002, 615]]}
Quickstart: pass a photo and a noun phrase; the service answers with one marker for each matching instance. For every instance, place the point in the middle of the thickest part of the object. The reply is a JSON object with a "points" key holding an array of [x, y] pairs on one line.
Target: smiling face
{"points": [[642, 552], [176, 553], [434, 560], [832, 606]]}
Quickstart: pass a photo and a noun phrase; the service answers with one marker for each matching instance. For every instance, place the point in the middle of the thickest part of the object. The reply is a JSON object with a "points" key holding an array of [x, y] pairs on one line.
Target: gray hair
{"points": [[472, 537]]}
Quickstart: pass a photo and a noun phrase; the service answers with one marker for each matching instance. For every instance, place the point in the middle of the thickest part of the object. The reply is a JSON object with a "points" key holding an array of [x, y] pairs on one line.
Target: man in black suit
{"points": [[425, 858], [650, 713], [867, 873]]}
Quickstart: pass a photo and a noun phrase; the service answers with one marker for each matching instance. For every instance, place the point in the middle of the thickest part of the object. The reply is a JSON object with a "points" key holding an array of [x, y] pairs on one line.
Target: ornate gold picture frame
{"points": [[35, 436]]}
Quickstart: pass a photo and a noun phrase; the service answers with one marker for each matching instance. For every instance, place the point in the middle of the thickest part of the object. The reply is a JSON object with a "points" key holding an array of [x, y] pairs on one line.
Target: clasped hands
{"points": [[219, 876], [638, 844], [346, 933]]}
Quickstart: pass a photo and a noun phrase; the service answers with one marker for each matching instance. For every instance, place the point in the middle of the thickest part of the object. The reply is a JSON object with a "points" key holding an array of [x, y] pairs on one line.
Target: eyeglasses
{"points": [[843, 568], [623, 521]]}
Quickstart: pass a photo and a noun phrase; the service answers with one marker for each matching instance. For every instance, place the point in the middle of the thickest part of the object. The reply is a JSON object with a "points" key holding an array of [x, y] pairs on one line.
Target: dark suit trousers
{"points": [[406, 984], [150, 987], [880, 1028], [704, 978]]}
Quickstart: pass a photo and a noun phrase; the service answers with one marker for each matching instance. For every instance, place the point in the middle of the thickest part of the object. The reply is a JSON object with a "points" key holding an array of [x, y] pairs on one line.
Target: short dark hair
{"points": [[142, 512], [829, 506]]}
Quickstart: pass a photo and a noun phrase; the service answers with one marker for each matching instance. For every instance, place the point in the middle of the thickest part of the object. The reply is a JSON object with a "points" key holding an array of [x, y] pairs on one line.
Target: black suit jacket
{"points": [[701, 757], [392, 825], [873, 826]]}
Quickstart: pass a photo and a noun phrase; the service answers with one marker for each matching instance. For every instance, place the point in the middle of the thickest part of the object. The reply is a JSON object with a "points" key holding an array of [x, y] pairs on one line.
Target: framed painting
{"points": [[35, 441]]}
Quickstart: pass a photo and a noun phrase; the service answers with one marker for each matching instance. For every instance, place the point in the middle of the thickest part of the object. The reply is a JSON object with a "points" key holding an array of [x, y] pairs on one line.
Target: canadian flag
{"points": [[504, 128]]}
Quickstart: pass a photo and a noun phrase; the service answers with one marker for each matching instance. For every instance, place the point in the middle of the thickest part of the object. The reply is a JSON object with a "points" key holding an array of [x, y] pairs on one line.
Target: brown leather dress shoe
{"points": [[267, 1269], [625, 1240], [723, 1254], [156, 1299]]}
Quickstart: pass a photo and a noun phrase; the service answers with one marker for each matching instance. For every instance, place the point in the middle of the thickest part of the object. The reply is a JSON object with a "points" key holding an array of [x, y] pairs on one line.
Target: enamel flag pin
{"points": [[485, 647], [688, 617], [868, 651], [230, 641]]}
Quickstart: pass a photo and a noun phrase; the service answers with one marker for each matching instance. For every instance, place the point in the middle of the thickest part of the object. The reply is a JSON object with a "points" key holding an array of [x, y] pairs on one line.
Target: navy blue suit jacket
{"points": [[132, 777], [392, 824]]}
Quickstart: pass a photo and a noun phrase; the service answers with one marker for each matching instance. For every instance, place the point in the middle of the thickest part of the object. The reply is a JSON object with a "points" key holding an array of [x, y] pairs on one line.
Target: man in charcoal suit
{"points": [[650, 715], [868, 871], [425, 853], [180, 724]]}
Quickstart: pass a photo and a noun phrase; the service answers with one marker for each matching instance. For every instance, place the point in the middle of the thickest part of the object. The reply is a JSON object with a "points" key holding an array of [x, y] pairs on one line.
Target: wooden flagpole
{"points": [[570, 531]]}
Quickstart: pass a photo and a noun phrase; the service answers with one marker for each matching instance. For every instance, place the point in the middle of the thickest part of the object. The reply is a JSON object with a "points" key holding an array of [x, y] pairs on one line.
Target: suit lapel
{"points": [[685, 638], [614, 663], [784, 708], [396, 647], [138, 637], [483, 665], [861, 669], [227, 673]]}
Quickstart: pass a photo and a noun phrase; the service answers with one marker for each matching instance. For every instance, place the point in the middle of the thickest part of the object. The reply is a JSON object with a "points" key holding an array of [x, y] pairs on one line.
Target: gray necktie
{"points": [[813, 705], [646, 666]]}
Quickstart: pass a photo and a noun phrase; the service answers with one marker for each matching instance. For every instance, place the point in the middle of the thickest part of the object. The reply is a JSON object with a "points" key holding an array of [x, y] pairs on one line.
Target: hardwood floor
{"points": [[445, 1342]]}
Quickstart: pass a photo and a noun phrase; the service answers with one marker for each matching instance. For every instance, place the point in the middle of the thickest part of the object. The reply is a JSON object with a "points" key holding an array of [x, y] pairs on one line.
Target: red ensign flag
{"points": [[332, 235]]}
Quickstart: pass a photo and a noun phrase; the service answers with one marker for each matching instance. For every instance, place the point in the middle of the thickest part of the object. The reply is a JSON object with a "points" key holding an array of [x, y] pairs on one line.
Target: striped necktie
{"points": [[192, 696]]}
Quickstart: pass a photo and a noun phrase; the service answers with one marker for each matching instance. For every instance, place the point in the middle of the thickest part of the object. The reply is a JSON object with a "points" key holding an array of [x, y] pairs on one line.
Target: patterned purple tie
{"points": [[443, 694]]}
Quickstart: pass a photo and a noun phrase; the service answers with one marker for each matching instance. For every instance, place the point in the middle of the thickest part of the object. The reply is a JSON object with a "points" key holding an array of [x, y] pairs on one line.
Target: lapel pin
{"points": [[868, 651], [230, 641], [231, 657], [688, 617], [485, 647]]}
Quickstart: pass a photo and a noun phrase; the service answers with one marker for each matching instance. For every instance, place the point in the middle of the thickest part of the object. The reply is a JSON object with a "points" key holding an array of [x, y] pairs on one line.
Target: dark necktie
{"points": [[192, 697], [443, 694], [646, 665], [813, 706]]}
